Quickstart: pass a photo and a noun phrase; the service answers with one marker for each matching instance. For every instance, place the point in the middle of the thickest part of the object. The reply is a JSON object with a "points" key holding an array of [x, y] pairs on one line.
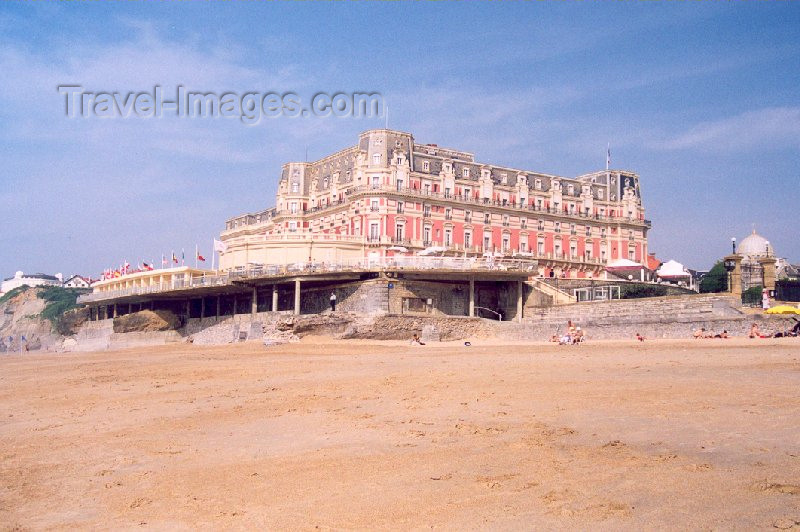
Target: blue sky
{"points": [[701, 99]]}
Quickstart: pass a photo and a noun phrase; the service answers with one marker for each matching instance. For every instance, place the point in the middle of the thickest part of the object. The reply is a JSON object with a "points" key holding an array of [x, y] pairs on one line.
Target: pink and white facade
{"points": [[389, 196]]}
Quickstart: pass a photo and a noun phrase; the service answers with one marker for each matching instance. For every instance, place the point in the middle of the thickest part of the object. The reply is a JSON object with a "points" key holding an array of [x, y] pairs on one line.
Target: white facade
{"points": [[34, 279]]}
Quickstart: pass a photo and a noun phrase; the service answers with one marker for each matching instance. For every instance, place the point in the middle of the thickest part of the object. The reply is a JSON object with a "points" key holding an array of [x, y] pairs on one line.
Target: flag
{"points": [[608, 156], [220, 246], [164, 260], [174, 258], [201, 258], [147, 267]]}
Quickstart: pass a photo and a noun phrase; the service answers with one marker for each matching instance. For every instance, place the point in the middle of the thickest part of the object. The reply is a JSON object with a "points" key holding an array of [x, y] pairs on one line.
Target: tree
{"points": [[716, 280]]}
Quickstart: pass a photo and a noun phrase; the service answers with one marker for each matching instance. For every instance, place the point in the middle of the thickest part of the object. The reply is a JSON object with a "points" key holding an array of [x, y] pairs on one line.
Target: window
{"points": [[426, 188], [538, 204], [465, 172], [540, 247], [537, 184], [399, 231], [523, 246], [599, 193], [603, 255], [426, 166], [504, 179], [374, 204], [376, 159], [426, 235], [400, 206], [571, 189], [293, 207], [573, 250], [557, 248], [292, 227], [572, 229], [522, 202], [540, 225], [603, 232], [557, 227], [588, 231], [376, 181], [523, 223], [506, 243], [325, 183], [487, 218], [448, 234], [588, 254], [447, 192], [447, 168], [505, 220], [374, 231], [448, 214], [295, 187], [487, 243], [467, 191], [399, 160], [631, 254], [467, 239], [426, 211], [399, 184], [467, 216]]}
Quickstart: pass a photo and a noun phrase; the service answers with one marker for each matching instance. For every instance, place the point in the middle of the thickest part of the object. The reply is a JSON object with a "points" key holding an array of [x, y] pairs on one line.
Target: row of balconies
{"points": [[267, 215]]}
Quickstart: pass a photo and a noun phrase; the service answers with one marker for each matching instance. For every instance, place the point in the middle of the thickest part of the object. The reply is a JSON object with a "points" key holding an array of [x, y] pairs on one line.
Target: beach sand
{"points": [[692, 434]]}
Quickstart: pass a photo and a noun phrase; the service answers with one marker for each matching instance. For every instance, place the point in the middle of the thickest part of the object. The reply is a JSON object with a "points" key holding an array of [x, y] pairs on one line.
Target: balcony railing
{"points": [[264, 216]]}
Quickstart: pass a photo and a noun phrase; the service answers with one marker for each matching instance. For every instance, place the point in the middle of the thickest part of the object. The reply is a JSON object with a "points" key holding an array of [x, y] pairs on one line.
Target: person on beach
{"points": [[755, 332], [415, 340], [333, 301], [700, 333], [639, 337]]}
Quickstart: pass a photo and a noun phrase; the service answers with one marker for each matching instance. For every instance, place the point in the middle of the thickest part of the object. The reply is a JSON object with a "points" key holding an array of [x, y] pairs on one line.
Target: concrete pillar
{"points": [[234, 304], [115, 310], [274, 306], [519, 301], [297, 296], [188, 308], [202, 307], [768, 272], [472, 298], [254, 306], [735, 286], [218, 305], [130, 308]]}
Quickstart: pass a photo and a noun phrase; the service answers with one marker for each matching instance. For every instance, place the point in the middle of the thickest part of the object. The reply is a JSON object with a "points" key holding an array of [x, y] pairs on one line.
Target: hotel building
{"points": [[388, 196]]}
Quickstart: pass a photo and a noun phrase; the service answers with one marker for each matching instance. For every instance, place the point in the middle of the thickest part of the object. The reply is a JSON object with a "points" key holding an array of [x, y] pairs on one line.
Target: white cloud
{"points": [[774, 127]]}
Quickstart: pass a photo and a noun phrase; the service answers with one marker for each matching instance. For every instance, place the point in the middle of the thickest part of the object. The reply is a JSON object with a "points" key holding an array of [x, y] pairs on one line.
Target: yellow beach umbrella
{"points": [[783, 309]]}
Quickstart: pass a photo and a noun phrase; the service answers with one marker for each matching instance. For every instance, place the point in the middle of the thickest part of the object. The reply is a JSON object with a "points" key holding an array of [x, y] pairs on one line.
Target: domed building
{"points": [[752, 248]]}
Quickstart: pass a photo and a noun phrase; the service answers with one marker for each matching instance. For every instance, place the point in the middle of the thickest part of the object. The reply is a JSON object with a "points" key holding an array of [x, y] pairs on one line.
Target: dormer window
{"points": [[426, 166], [504, 178], [465, 172], [325, 182], [376, 159], [538, 184]]}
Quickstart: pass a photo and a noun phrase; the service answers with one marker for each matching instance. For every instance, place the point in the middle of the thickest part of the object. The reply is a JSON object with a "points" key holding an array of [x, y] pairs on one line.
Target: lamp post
{"points": [[733, 244]]}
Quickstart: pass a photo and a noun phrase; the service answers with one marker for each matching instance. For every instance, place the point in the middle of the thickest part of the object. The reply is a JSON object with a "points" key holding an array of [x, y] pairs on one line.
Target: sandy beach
{"points": [[362, 435]]}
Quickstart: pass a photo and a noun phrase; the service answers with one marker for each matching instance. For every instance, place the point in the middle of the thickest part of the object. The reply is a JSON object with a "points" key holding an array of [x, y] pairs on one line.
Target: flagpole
{"points": [[196, 251], [213, 253]]}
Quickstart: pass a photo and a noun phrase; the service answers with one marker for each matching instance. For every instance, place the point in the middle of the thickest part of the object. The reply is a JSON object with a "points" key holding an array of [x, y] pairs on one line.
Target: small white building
{"points": [[674, 272], [77, 281], [31, 279]]}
